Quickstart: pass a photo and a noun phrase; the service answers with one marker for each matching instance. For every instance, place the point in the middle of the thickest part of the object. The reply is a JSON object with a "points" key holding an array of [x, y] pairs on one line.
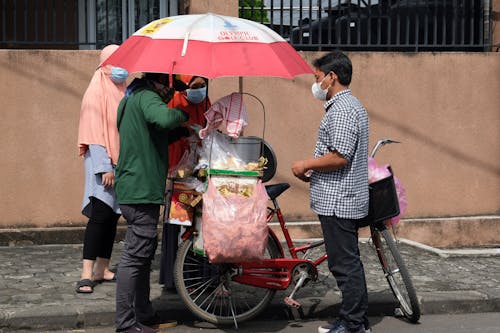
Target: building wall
{"points": [[443, 107]]}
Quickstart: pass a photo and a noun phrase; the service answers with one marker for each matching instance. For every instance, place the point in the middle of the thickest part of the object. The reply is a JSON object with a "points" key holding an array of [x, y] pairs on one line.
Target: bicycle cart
{"points": [[228, 293]]}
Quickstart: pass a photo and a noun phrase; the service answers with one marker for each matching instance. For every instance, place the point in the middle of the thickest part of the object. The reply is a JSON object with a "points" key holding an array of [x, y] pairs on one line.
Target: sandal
{"points": [[85, 283]]}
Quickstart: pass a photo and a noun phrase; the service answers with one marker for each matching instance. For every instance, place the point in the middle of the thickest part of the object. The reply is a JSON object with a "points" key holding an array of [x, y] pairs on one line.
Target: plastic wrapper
{"points": [[377, 172], [182, 201], [188, 161], [234, 226], [217, 152]]}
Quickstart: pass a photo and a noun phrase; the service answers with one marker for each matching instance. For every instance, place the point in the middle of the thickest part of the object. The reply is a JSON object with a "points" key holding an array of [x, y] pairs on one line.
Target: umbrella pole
{"points": [[240, 84]]}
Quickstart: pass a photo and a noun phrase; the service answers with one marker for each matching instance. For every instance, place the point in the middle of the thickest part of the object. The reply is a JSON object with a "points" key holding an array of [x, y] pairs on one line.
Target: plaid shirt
{"points": [[344, 128]]}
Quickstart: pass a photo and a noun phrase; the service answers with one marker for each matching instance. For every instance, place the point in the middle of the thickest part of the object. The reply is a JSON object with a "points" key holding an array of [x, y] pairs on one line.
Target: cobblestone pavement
{"points": [[37, 288]]}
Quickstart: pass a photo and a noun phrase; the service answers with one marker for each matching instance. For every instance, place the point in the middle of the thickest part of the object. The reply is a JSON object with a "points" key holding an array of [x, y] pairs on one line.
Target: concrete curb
{"points": [[45, 236], [458, 231], [77, 317], [454, 252]]}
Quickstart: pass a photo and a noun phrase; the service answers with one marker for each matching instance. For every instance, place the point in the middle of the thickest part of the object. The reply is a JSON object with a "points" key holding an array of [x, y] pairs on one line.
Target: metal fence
{"points": [[76, 24], [363, 25], [380, 25]]}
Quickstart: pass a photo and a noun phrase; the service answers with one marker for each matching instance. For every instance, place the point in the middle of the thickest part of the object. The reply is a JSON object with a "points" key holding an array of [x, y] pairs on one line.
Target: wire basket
{"points": [[384, 202]]}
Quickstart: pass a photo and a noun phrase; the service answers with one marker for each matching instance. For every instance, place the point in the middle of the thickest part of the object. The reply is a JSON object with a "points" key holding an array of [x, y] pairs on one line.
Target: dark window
{"points": [[76, 24], [38, 24]]}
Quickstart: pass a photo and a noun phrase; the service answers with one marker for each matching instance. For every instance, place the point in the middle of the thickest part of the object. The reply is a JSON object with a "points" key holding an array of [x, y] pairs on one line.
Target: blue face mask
{"points": [[195, 96], [118, 75]]}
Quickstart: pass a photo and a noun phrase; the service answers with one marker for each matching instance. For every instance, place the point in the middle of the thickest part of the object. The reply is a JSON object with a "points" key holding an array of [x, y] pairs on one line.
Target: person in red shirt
{"points": [[195, 102]]}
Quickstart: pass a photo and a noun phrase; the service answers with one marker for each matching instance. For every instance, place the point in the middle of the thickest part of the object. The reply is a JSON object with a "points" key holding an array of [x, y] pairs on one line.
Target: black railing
{"points": [[75, 24], [383, 25], [29, 24], [363, 25]]}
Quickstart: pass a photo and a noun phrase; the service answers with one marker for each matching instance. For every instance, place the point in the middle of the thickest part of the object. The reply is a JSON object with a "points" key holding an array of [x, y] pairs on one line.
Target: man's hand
{"points": [[108, 179], [300, 171]]}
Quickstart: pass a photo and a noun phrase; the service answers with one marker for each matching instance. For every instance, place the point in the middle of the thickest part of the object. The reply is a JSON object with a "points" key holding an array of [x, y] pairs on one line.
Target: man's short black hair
{"points": [[336, 62]]}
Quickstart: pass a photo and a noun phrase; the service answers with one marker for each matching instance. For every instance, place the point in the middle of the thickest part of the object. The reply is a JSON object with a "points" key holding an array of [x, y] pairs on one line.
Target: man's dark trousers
{"points": [[341, 242], [133, 275]]}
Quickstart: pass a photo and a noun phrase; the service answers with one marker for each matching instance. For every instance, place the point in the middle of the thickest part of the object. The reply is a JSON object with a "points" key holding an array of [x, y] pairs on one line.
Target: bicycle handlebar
{"points": [[380, 143]]}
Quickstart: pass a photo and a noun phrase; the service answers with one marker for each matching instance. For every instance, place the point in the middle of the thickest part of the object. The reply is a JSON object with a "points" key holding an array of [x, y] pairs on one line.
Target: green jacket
{"points": [[145, 132]]}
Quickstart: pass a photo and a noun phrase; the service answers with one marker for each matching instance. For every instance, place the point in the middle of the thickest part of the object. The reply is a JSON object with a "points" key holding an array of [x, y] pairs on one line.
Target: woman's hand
{"points": [[108, 179]]}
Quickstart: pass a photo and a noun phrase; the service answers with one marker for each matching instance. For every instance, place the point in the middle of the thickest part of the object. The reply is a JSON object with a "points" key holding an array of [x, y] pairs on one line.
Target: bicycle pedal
{"points": [[291, 302]]}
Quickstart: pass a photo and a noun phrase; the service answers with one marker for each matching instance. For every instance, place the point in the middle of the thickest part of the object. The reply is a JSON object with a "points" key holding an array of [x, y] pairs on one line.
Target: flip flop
{"points": [[85, 283]]}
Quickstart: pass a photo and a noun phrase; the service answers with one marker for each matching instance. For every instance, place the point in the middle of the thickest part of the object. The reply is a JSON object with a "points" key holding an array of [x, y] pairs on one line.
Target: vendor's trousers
{"points": [[341, 242], [133, 275], [169, 245]]}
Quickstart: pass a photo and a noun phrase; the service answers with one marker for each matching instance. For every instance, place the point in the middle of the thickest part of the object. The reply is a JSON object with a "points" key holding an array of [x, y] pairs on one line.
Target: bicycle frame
{"points": [[212, 299], [277, 273], [274, 273]]}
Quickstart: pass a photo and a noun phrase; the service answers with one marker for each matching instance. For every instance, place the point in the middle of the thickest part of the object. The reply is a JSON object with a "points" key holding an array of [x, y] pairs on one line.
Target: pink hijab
{"points": [[98, 111]]}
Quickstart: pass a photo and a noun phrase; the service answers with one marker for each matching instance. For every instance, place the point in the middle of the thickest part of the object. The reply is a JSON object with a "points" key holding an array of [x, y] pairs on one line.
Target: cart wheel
{"points": [[209, 292]]}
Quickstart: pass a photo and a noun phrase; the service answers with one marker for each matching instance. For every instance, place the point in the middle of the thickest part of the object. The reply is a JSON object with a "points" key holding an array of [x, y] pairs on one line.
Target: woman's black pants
{"points": [[100, 232]]}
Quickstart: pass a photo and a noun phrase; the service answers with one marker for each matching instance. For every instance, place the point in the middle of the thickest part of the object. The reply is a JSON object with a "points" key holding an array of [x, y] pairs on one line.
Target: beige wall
{"points": [[227, 7], [444, 108]]}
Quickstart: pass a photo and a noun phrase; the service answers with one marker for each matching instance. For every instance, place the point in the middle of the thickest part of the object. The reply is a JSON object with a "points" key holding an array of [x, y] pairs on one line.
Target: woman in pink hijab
{"points": [[99, 145]]}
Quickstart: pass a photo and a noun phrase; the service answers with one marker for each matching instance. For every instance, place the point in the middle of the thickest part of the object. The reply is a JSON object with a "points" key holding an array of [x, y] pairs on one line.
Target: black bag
{"points": [[384, 203]]}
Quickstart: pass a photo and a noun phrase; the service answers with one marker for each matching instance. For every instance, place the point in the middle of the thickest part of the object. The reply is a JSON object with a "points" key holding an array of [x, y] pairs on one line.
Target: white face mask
{"points": [[317, 92]]}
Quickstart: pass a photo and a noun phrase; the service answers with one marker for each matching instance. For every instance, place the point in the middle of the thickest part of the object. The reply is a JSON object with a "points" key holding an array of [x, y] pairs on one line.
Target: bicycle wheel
{"points": [[396, 273], [210, 293]]}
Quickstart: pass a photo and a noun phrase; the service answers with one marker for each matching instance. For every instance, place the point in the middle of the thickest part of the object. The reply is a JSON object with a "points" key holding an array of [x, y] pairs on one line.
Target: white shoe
{"points": [[327, 327]]}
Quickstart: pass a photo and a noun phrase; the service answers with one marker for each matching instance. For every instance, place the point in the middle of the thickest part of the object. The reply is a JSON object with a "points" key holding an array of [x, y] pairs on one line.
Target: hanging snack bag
{"points": [[234, 223]]}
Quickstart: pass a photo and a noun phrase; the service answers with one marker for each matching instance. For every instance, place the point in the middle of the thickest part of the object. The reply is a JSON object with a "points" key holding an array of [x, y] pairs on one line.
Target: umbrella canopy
{"points": [[211, 46]]}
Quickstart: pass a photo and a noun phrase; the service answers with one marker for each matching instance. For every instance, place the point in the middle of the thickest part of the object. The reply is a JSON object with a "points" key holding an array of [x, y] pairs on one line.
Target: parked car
{"points": [[402, 25]]}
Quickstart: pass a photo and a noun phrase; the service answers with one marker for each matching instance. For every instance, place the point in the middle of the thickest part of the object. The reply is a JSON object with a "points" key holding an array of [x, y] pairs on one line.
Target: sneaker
{"points": [[328, 328]]}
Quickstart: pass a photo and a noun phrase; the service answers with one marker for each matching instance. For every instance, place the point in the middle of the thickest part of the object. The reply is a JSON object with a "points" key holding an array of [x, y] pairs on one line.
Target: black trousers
{"points": [[133, 287], [169, 245], [341, 242], [100, 232]]}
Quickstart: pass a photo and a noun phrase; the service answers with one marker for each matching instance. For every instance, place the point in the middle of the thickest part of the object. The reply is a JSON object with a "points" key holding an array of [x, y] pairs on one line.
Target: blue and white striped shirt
{"points": [[344, 128]]}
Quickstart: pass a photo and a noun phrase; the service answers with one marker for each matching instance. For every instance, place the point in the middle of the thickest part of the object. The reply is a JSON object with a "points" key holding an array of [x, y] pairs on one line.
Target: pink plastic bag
{"points": [[234, 226], [377, 172]]}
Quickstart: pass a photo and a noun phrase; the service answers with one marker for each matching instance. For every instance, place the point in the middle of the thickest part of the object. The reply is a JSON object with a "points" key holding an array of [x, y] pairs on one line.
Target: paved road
{"points": [[461, 323], [37, 289]]}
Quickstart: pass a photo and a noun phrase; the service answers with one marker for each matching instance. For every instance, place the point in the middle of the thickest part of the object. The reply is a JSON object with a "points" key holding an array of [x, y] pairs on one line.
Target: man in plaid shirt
{"points": [[338, 176]]}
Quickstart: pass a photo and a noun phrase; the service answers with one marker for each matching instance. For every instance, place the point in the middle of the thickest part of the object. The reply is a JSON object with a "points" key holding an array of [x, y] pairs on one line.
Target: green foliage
{"points": [[251, 10]]}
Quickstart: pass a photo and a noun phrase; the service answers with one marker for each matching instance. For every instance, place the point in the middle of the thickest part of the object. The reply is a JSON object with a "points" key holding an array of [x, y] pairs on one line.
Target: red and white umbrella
{"points": [[209, 45]]}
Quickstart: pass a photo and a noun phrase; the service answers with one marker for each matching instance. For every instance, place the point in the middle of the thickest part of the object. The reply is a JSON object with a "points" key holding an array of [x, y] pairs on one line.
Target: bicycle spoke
{"points": [[396, 273], [209, 292]]}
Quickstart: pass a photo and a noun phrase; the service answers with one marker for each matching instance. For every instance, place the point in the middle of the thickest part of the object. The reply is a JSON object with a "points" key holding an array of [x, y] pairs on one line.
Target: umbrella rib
{"points": [[184, 46]]}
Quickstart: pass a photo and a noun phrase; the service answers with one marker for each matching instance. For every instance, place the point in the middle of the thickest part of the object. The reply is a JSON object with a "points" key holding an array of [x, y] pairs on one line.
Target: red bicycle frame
{"points": [[277, 273]]}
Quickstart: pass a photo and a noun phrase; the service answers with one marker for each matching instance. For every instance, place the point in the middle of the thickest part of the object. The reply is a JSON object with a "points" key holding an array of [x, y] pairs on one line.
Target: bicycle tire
{"points": [[209, 293], [396, 273]]}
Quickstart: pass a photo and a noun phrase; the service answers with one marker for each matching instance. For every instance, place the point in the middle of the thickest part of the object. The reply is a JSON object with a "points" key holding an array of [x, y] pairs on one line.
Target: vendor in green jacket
{"points": [[146, 126]]}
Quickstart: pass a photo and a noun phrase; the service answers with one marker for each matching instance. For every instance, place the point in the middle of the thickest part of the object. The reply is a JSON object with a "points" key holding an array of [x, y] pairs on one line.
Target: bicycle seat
{"points": [[273, 191]]}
